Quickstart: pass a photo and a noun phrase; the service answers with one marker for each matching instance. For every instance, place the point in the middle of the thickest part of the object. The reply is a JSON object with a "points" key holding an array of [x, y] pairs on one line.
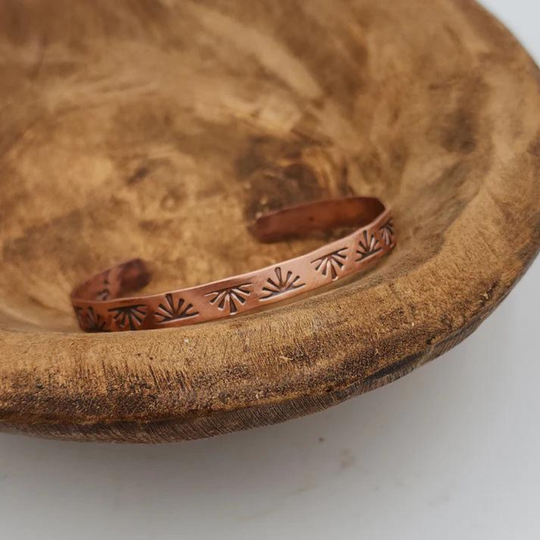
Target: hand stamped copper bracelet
{"points": [[99, 309]]}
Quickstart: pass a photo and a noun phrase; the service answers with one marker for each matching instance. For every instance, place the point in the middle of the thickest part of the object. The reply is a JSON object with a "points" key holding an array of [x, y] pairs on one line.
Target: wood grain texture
{"points": [[160, 128]]}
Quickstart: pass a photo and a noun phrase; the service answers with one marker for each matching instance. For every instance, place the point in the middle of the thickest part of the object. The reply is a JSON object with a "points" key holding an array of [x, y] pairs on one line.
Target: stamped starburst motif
{"points": [[387, 232], [174, 310], [281, 284], [130, 317], [95, 322], [368, 246], [230, 298], [331, 264], [79, 313]]}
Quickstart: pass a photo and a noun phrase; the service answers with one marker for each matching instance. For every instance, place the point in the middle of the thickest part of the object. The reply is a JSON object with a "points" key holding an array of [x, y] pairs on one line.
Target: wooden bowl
{"points": [[160, 129]]}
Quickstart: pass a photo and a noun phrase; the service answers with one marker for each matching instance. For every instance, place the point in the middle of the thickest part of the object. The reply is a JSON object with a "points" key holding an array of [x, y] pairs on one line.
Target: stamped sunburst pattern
{"points": [[79, 313], [95, 322], [368, 245], [331, 264], [281, 284], [387, 232], [129, 317], [174, 310], [231, 298]]}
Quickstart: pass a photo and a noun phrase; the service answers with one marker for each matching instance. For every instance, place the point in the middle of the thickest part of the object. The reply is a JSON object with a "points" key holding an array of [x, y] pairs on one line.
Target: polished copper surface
{"points": [[99, 307]]}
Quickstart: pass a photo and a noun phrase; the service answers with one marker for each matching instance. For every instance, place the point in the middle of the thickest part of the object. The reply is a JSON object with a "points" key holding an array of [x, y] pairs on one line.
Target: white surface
{"points": [[451, 452]]}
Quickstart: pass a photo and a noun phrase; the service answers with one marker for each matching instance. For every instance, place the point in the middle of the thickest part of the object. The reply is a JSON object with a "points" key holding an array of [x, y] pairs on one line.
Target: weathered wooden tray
{"points": [[159, 129]]}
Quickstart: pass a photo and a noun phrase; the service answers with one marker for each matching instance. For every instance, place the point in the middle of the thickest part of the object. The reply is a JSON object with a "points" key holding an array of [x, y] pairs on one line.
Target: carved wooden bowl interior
{"points": [[161, 128]]}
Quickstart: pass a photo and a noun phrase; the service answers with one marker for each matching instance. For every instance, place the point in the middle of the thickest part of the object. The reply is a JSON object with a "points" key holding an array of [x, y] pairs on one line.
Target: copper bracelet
{"points": [[99, 308]]}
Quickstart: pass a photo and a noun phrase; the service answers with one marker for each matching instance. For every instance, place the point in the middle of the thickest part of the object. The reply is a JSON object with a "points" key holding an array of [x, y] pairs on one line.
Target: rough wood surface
{"points": [[160, 128]]}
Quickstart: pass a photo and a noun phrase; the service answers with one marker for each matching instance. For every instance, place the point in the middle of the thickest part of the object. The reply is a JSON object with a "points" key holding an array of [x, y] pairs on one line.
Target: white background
{"points": [[451, 452]]}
